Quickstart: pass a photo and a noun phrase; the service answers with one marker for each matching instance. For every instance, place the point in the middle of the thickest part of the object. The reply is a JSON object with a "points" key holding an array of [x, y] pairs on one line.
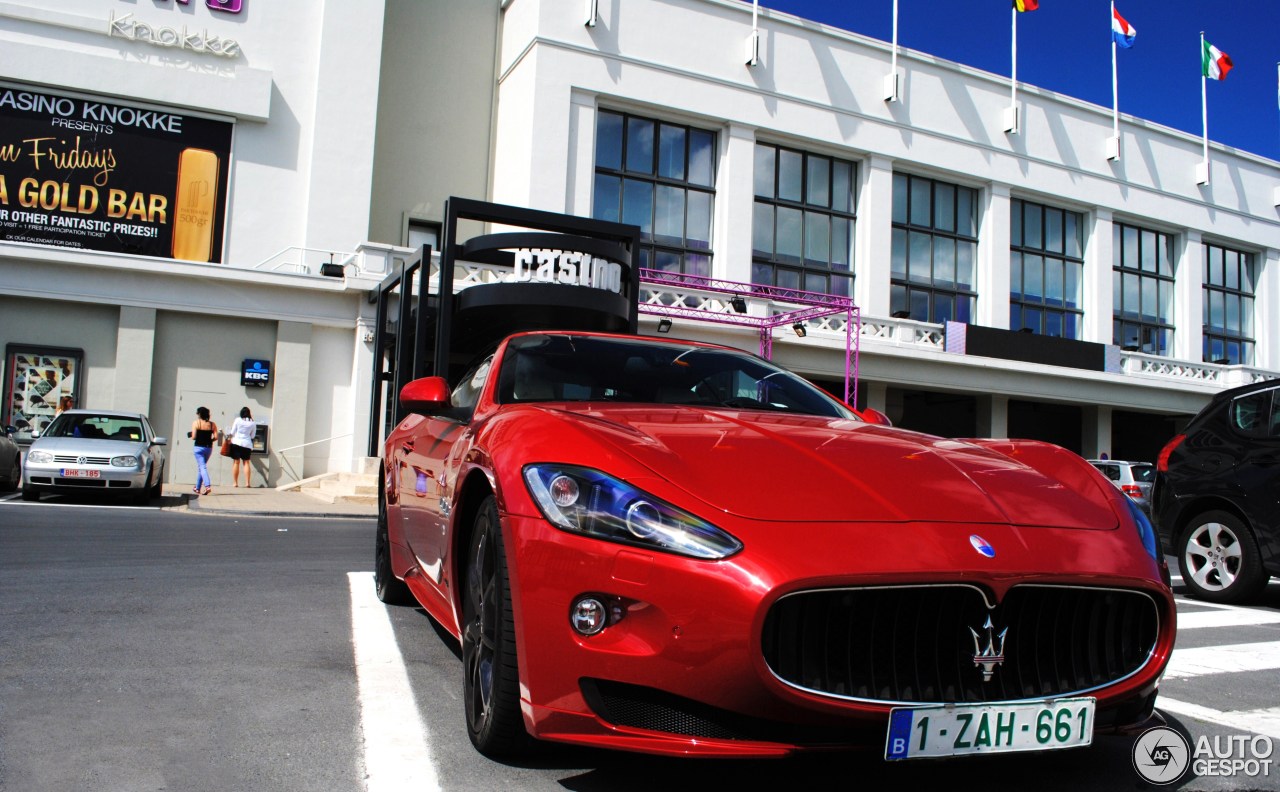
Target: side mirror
{"points": [[160, 441], [10, 431], [427, 395], [873, 416]]}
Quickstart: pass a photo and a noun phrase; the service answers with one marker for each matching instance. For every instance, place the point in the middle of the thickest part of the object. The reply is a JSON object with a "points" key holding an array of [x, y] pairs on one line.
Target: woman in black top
{"points": [[203, 431]]}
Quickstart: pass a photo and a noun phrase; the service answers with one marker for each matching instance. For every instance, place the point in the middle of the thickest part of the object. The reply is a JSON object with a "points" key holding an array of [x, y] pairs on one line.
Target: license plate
{"points": [[73, 473], [957, 729]]}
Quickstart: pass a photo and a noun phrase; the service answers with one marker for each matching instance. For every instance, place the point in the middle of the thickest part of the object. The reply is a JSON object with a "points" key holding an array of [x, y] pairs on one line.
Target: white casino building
{"points": [[1010, 283]]}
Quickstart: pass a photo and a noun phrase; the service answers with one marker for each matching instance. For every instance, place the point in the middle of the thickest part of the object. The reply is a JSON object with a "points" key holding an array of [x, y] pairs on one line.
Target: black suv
{"points": [[1217, 494]]}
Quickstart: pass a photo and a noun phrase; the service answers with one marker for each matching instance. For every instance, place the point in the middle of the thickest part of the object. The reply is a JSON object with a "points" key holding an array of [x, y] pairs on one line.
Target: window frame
{"points": [[801, 272], [906, 294], [1021, 247], [1245, 339], [1154, 336], [688, 255]]}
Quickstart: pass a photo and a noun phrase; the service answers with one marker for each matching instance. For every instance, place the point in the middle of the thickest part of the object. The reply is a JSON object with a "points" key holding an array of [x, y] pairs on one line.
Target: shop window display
{"points": [[36, 380]]}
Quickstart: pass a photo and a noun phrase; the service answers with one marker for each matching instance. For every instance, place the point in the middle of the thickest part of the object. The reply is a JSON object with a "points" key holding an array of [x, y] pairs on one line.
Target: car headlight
{"points": [[125, 461], [592, 503], [39, 457], [1146, 531]]}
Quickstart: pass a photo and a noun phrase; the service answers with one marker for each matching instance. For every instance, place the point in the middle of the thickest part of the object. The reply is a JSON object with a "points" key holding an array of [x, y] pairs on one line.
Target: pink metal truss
{"points": [[807, 305]]}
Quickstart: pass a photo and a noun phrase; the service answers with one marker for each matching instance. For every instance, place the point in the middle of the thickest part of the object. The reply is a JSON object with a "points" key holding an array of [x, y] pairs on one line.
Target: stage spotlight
{"points": [[664, 325], [739, 304], [800, 329]]}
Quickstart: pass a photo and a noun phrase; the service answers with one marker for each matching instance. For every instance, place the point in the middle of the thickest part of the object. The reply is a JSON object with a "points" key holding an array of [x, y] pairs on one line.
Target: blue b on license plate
{"points": [[956, 729]]}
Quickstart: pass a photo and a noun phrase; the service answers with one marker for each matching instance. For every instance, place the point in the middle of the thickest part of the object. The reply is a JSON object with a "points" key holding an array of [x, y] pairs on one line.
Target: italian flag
{"points": [[1214, 63]]}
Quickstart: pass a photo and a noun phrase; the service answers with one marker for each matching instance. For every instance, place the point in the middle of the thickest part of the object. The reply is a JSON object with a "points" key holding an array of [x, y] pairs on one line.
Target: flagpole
{"points": [[891, 82], [1204, 114], [1011, 122], [1115, 83]]}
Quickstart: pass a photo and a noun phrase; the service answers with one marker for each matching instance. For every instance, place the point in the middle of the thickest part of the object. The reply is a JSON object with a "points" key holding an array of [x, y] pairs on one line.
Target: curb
{"points": [[192, 503]]}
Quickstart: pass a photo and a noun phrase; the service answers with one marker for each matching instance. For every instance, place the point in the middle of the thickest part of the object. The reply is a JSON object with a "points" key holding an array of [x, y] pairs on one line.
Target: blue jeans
{"points": [[202, 467]]}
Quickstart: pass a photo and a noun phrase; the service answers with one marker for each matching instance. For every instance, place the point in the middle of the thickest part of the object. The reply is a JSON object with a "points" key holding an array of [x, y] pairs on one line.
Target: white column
{"points": [[873, 243], [582, 149], [1266, 311], [1095, 435], [290, 381], [993, 416], [135, 352], [1099, 262], [877, 395], [362, 382], [1188, 299], [735, 200], [992, 277]]}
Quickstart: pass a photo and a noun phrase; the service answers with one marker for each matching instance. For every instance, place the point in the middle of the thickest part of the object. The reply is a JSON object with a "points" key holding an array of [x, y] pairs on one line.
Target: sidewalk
{"points": [[262, 502]]}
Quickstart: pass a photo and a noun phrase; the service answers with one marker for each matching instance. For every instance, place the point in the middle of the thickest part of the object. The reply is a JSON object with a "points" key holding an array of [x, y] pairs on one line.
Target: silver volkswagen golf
{"points": [[96, 451]]}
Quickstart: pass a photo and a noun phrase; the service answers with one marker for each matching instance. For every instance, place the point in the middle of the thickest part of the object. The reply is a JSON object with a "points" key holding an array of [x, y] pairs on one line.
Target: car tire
{"points": [[30, 493], [491, 682], [12, 483], [157, 489], [143, 496], [1219, 559], [390, 589]]}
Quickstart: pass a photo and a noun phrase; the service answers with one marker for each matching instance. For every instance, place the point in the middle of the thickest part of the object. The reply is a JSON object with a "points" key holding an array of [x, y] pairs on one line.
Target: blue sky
{"points": [[1065, 46]]}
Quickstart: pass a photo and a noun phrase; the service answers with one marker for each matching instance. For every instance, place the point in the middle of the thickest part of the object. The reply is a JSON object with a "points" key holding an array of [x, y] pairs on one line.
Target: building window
{"points": [[935, 242], [661, 177], [1229, 279], [1046, 269], [802, 228], [1142, 285]]}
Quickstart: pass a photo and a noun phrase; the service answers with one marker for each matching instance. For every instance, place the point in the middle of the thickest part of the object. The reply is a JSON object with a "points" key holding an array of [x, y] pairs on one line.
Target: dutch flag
{"points": [[1122, 31]]}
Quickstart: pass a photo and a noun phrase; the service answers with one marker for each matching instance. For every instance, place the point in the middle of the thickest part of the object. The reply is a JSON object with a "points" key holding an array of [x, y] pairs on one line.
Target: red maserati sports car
{"points": [[679, 548]]}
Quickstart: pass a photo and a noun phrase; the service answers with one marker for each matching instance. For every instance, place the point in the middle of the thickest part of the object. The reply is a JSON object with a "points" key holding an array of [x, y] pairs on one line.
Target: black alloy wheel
{"points": [[490, 677], [1219, 559], [389, 588]]}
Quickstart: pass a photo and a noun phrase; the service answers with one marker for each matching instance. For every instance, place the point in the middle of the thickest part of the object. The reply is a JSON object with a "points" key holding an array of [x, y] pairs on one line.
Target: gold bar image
{"points": [[195, 205]]}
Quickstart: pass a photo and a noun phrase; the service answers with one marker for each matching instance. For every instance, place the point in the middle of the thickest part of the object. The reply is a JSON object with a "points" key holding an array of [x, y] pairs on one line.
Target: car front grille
{"points": [[72, 459], [917, 644]]}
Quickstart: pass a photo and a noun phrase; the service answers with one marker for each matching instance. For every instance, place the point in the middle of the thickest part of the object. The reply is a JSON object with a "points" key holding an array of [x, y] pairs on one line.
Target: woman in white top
{"points": [[241, 434]]}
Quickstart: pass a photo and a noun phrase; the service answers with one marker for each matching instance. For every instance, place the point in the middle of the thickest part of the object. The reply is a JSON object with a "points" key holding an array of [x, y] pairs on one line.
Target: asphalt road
{"points": [[156, 649]]}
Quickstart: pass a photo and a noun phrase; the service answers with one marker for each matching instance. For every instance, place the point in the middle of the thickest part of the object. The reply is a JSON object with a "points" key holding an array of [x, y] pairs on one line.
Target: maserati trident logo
{"points": [[992, 655]]}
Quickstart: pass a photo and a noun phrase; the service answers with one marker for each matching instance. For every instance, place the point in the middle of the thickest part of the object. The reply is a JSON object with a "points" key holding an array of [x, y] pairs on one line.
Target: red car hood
{"points": [[783, 467]]}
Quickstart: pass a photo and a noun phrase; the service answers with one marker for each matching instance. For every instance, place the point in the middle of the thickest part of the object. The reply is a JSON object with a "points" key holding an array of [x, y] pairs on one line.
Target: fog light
{"points": [[588, 616], [564, 491]]}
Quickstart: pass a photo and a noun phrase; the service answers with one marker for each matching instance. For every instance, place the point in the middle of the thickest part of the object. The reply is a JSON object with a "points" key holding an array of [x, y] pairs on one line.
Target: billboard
{"points": [[80, 173]]}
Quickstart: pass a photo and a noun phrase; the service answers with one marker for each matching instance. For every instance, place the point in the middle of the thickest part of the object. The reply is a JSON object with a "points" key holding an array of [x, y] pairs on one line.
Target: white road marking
{"points": [[1205, 604], [1236, 617], [1260, 721], [1223, 659], [396, 755]]}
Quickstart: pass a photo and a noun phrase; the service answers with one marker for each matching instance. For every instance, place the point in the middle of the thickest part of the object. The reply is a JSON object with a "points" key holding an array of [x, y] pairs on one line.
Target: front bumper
{"points": [[87, 478], [682, 671]]}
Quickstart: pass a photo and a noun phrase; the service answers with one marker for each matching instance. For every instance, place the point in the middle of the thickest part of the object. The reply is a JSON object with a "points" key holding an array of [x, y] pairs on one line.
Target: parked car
{"points": [[1217, 494], [10, 461], [96, 451], [678, 548], [1133, 478]]}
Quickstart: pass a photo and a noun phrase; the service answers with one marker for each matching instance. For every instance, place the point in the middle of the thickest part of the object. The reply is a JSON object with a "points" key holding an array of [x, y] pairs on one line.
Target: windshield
{"points": [[560, 367], [99, 427]]}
